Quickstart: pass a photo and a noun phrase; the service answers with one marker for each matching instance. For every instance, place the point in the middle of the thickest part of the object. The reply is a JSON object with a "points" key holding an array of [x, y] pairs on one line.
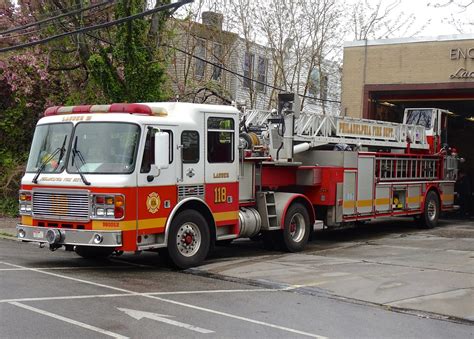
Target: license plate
{"points": [[38, 234]]}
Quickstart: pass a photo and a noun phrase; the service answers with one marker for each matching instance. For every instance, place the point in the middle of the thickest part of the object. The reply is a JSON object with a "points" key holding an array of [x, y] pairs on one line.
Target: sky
{"points": [[425, 10]]}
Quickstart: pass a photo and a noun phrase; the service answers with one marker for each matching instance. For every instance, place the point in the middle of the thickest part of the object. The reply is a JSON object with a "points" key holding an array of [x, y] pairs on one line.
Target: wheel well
{"points": [[308, 206], [432, 189], [204, 211], [436, 190]]}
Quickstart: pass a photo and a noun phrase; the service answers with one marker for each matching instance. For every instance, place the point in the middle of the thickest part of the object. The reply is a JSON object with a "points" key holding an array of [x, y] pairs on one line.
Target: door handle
{"points": [[180, 149]]}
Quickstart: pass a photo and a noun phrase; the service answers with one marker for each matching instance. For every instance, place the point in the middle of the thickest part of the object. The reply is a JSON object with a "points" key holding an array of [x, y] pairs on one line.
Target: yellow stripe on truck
{"points": [[349, 204], [26, 220], [129, 225], [413, 200], [382, 201], [143, 224], [447, 197], [221, 216]]}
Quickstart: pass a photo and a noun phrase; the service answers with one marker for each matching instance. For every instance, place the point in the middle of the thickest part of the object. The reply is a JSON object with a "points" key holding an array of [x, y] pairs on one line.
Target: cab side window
{"points": [[149, 151], [190, 142], [220, 140]]}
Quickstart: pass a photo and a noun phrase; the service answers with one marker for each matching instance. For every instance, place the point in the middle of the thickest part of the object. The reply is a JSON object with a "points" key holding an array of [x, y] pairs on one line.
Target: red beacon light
{"points": [[91, 109]]}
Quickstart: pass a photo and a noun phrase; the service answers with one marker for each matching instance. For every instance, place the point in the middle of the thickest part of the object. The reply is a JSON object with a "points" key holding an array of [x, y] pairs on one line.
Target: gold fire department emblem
{"points": [[153, 202]]}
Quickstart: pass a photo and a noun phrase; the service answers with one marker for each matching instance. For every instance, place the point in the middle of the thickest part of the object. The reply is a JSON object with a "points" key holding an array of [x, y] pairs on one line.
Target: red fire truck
{"points": [[177, 177]]}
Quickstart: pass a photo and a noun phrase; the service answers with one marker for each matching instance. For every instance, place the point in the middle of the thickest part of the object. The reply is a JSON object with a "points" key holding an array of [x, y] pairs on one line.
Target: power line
{"points": [[19, 28], [99, 26], [142, 14], [246, 77]]}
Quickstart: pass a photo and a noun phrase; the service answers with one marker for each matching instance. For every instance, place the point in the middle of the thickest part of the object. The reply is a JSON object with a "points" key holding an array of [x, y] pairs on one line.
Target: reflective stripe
{"points": [[221, 216]]}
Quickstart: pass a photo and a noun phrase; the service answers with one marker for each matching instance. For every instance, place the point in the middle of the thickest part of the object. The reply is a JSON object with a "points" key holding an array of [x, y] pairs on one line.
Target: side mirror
{"points": [[162, 150]]}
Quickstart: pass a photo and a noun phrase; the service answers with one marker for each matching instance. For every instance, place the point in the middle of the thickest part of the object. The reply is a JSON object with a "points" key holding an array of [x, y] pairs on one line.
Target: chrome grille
{"points": [[66, 205], [190, 191]]}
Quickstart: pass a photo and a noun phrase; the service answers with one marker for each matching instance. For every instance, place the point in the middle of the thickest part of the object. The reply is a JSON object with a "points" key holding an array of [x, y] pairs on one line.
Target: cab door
{"points": [[157, 194], [221, 171]]}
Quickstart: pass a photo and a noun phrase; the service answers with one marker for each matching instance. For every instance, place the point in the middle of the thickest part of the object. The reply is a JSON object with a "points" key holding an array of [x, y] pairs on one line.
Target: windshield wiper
{"points": [[75, 152], [51, 157]]}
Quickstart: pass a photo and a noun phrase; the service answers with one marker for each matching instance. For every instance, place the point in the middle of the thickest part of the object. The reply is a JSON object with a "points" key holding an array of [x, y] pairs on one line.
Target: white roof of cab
{"points": [[176, 113]]}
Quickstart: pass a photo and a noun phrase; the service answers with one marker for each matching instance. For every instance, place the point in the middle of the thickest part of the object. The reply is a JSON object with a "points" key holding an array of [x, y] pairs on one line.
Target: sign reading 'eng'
{"points": [[363, 130]]}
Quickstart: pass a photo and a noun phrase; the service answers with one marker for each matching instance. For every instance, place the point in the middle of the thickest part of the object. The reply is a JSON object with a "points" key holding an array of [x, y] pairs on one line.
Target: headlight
{"points": [[25, 202], [108, 206]]}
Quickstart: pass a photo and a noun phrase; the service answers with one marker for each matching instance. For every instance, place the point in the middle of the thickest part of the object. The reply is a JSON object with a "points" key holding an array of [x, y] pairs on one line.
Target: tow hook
{"points": [[54, 247]]}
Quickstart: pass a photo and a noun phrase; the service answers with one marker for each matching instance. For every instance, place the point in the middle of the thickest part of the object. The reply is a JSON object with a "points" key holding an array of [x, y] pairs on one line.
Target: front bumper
{"points": [[70, 236]]}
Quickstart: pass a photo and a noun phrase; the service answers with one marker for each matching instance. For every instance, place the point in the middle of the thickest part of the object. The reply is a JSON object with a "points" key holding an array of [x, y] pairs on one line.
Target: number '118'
{"points": [[220, 195]]}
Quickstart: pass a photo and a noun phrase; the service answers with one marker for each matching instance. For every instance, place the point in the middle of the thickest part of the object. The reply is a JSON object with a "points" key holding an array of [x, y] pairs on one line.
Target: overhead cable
{"points": [[98, 26]]}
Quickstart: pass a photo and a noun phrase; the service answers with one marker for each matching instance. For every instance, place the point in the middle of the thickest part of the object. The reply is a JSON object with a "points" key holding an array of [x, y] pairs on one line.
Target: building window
{"points": [[318, 84], [200, 52], [190, 142], [324, 87], [261, 74], [217, 58], [248, 69], [220, 140]]}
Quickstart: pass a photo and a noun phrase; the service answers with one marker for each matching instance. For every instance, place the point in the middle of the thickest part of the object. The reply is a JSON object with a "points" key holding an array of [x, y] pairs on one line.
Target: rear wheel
{"points": [[296, 230], [430, 215], [188, 239], [91, 252]]}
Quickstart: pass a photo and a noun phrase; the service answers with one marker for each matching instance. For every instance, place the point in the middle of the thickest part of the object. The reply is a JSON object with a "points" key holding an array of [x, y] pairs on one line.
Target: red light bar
{"points": [[130, 108], [114, 108], [51, 111], [82, 109]]}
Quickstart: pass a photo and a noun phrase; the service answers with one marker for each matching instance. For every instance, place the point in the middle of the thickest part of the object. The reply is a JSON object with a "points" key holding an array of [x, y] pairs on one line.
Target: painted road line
{"points": [[67, 297], [287, 329], [217, 291], [71, 278], [62, 268], [143, 294], [162, 318], [229, 315], [68, 320]]}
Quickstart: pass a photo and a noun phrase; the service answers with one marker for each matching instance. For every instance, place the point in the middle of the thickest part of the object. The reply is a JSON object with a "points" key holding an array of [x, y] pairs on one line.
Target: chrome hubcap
{"points": [[431, 210], [297, 227], [188, 239]]}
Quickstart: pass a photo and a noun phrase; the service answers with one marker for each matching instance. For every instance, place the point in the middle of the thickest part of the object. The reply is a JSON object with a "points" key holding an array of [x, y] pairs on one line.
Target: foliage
{"points": [[129, 70], [118, 64]]}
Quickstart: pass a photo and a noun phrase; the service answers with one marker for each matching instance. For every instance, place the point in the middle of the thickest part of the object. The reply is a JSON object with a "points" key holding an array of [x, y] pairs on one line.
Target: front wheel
{"points": [[92, 252], [430, 215], [188, 239], [296, 230]]}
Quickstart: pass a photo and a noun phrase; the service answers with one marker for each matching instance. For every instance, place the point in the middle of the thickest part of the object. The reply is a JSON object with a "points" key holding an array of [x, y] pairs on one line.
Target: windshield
{"points": [[420, 117], [47, 147], [104, 147]]}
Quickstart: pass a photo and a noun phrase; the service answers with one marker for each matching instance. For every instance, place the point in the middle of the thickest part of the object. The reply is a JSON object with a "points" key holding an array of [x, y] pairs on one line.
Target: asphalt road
{"points": [[44, 294]]}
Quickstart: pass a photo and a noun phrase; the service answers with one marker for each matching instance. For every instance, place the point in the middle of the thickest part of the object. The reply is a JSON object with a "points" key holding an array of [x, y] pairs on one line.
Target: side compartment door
{"points": [[365, 185], [156, 194], [221, 170]]}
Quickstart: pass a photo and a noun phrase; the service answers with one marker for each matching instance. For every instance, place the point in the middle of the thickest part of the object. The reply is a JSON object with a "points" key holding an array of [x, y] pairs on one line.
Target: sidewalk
{"points": [[8, 226], [423, 270]]}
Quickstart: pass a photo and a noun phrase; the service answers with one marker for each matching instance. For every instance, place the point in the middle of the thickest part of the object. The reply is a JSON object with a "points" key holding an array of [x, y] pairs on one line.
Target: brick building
{"points": [[193, 76]]}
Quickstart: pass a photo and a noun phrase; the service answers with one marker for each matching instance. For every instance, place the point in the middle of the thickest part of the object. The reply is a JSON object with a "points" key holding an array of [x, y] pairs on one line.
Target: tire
{"points": [[91, 252], [188, 240], [430, 215], [296, 231]]}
